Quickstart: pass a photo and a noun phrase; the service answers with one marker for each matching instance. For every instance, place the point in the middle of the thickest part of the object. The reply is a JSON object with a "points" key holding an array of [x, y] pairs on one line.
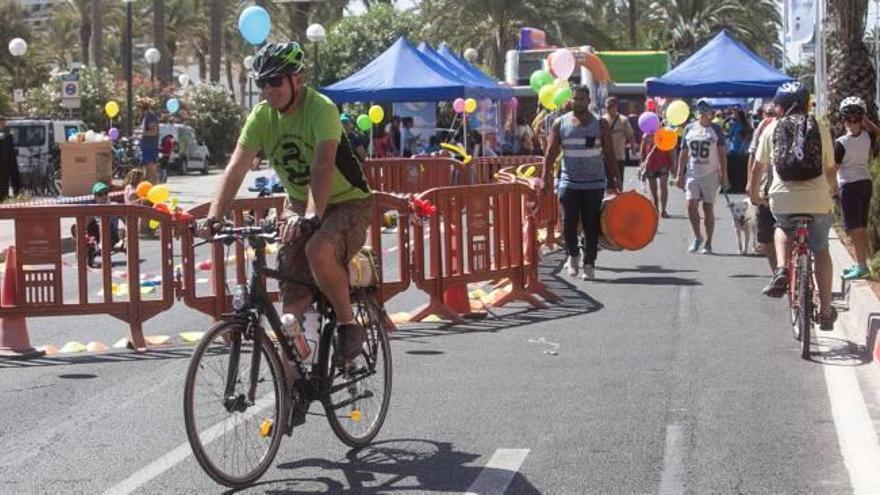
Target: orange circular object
{"points": [[629, 221], [143, 188], [161, 207], [665, 139]]}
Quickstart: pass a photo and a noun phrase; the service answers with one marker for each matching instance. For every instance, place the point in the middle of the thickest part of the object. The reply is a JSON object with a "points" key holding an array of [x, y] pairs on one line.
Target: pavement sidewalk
{"points": [[860, 315]]}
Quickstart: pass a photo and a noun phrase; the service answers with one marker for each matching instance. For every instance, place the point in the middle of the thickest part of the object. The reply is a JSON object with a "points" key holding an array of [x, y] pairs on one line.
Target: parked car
{"points": [[189, 152], [37, 140]]}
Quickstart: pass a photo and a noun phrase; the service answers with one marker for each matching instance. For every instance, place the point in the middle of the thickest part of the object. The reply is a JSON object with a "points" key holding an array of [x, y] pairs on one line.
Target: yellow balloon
{"points": [[158, 194], [470, 105], [376, 114], [545, 96], [154, 224], [111, 109], [678, 112]]}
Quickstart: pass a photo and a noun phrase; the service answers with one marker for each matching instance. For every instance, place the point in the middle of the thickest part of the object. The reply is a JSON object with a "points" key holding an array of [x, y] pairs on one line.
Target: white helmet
{"points": [[853, 104]]}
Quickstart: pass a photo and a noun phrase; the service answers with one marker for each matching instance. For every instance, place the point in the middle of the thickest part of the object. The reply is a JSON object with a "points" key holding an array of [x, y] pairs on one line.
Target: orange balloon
{"points": [[143, 188], [665, 139]]}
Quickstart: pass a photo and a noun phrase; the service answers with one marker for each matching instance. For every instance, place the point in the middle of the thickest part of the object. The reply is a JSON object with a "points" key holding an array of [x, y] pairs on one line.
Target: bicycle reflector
{"points": [[239, 297], [266, 428]]}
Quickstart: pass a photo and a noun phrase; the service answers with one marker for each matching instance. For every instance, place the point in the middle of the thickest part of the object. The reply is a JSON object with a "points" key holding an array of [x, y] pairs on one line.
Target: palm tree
{"points": [[850, 71], [159, 41], [215, 44], [58, 37], [681, 26], [491, 25], [96, 45], [183, 22]]}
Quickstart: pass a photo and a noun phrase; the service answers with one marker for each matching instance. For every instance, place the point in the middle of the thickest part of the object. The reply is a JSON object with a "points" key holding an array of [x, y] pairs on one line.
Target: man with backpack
{"points": [[799, 151]]}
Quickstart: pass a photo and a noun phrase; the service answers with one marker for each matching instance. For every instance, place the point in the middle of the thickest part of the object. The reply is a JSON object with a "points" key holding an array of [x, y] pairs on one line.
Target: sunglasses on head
{"points": [[275, 81]]}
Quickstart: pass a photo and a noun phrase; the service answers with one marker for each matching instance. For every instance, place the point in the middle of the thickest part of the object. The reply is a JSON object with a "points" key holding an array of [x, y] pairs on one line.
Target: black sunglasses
{"points": [[275, 81]]}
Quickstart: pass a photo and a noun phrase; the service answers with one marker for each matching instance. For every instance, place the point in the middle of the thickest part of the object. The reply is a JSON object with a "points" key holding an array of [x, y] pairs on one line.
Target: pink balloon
{"points": [[458, 105], [513, 103], [562, 63]]}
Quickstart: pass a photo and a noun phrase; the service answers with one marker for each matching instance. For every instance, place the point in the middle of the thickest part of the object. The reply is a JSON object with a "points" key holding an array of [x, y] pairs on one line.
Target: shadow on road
{"points": [[122, 356], [832, 351], [641, 269], [655, 281], [406, 465]]}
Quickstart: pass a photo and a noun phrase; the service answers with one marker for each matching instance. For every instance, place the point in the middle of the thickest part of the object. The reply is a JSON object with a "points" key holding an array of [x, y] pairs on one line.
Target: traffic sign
{"points": [[18, 95]]}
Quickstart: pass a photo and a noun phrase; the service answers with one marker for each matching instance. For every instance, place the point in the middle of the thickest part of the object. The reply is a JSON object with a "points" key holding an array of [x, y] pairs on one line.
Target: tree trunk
{"points": [[229, 79], [85, 34], [96, 46], [633, 16], [159, 41], [216, 39], [203, 64]]}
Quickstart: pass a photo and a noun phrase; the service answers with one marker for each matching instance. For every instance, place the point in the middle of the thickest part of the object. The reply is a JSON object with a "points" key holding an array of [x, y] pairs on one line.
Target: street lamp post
{"points": [[126, 55], [152, 56], [249, 65], [316, 34], [17, 48]]}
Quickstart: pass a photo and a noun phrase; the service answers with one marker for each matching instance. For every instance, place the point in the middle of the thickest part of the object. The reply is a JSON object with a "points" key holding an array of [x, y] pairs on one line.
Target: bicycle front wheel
{"points": [[804, 283], [357, 401], [233, 404]]}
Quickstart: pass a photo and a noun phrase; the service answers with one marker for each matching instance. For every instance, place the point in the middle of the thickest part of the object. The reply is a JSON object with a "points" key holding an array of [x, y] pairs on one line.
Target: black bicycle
{"points": [[246, 386]]}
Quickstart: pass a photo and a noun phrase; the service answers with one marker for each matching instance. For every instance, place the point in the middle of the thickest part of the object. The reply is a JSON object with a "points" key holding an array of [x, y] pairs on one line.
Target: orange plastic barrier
{"points": [[260, 208], [629, 221], [413, 175], [485, 168], [476, 236], [39, 284], [547, 214]]}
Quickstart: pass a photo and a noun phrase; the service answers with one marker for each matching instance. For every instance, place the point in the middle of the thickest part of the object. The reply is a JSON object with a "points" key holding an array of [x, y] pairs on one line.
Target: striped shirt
{"points": [[583, 163]]}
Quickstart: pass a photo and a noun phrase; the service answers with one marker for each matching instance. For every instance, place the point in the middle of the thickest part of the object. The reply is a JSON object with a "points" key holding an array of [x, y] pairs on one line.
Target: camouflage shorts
{"points": [[344, 227]]}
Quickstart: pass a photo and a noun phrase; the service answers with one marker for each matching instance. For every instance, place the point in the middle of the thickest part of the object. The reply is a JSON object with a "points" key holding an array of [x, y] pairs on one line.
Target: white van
{"points": [[190, 153], [37, 140]]}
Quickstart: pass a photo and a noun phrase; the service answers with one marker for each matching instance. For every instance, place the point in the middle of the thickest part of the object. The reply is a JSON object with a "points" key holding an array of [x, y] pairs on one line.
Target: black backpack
{"points": [[797, 150]]}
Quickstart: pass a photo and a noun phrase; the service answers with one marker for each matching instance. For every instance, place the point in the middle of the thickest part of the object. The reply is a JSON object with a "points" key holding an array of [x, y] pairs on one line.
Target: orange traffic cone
{"points": [[14, 340]]}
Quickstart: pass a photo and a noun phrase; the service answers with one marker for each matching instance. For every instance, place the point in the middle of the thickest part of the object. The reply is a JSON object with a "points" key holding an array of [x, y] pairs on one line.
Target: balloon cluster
{"points": [[553, 94], [461, 105], [665, 139], [160, 196]]}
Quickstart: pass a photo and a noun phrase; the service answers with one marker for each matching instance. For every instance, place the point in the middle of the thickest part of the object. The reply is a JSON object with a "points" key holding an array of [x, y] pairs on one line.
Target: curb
{"points": [[860, 317]]}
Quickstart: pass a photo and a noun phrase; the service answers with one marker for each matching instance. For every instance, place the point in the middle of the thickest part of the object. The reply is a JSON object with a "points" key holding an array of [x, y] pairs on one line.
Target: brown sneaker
{"points": [[351, 340]]}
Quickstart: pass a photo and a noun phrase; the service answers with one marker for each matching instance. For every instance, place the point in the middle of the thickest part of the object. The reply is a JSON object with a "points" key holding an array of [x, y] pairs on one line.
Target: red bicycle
{"points": [[801, 286]]}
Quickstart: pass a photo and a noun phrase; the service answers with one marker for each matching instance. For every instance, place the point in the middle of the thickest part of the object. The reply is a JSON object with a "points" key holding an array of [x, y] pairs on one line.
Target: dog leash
{"points": [[726, 197]]}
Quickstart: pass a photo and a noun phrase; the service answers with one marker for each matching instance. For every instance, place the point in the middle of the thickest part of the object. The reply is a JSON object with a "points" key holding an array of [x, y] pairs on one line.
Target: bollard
{"points": [[14, 339]]}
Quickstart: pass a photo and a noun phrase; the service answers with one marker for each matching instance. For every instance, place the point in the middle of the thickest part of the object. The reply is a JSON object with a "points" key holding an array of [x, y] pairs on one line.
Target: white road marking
{"points": [[671, 481], [499, 472], [856, 435], [183, 451]]}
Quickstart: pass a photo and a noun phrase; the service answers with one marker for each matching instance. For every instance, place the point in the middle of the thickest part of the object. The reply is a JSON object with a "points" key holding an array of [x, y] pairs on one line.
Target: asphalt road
{"points": [[672, 375]]}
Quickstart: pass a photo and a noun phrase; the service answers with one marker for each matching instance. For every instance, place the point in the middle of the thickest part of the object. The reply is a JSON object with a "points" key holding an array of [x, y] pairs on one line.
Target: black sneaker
{"points": [[778, 284], [351, 340], [826, 321]]}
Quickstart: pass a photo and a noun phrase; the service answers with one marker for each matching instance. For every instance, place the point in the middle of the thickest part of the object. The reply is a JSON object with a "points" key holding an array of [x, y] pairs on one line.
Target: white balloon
{"points": [[17, 47], [562, 63], [152, 55]]}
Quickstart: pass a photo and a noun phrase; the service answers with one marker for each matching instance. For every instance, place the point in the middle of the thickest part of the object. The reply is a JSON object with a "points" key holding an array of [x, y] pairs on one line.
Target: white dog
{"points": [[745, 224]]}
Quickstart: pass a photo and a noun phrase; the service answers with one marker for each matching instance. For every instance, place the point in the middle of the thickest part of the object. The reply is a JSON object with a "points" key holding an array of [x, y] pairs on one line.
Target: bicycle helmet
{"points": [[277, 59], [790, 94], [852, 105], [100, 188]]}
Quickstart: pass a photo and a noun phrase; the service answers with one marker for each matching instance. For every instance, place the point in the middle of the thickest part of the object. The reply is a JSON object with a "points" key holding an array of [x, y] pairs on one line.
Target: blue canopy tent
{"points": [[502, 91], [402, 74], [478, 86], [727, 102], [724, 67]]}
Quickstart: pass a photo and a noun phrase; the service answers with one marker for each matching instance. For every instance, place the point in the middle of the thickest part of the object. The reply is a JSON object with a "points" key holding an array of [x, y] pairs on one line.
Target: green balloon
{"points": [[562, 96], [363, 123], [539, 79]]}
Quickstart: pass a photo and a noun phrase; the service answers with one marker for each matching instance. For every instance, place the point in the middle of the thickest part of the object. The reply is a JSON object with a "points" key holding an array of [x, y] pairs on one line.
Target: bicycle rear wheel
{"points": [[805, 301], [234, 436], [357, 401], [793, 308]]}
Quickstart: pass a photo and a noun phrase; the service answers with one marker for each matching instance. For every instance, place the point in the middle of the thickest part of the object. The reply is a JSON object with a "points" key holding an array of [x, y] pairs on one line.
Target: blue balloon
{"points": [[254, 24], [172, 105]]}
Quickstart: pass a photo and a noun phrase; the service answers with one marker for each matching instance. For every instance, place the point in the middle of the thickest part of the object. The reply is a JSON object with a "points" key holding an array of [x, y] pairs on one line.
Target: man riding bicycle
{"points": [[299, 131], [799, 153]]}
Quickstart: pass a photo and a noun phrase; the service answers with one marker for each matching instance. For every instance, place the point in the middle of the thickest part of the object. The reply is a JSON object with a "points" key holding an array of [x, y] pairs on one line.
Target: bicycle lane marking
{"points": [[856, 435], [499, 472], [183, 451]]}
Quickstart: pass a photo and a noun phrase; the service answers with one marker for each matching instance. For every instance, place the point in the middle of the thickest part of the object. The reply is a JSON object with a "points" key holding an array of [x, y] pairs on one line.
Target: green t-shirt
{"points": [[289, 143]]}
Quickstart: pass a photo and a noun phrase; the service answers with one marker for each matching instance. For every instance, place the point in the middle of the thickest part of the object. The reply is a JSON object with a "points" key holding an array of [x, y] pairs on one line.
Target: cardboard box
{"points": [[83, 164]]}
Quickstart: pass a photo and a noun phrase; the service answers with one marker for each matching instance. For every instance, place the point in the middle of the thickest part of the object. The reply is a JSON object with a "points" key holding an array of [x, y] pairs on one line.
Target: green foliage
{"points": [[96, 86], [355, 41], [874, 214], [215, 117]]}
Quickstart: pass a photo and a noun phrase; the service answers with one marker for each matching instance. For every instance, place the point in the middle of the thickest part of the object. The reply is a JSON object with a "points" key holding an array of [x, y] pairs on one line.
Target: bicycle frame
{"points": [[799, 247]]}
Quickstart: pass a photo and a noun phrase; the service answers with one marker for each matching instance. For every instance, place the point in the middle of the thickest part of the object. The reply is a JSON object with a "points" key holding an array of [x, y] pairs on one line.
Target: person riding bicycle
{"points": [[799, 151], [299, 131]]}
